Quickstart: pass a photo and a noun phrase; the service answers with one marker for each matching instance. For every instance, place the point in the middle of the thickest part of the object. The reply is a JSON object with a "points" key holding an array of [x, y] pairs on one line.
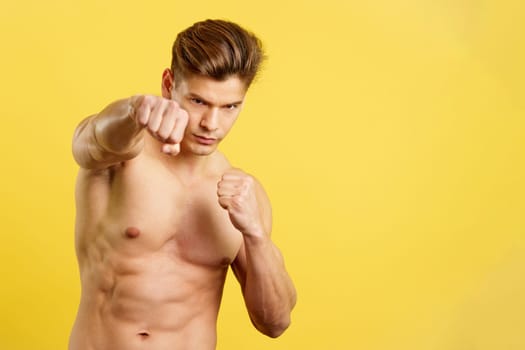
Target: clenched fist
{"points": [[238, 193], [164, 119]]}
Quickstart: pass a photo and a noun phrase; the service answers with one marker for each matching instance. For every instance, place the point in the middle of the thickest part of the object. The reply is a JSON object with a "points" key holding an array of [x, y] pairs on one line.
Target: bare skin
{"points": [[161, 215]]}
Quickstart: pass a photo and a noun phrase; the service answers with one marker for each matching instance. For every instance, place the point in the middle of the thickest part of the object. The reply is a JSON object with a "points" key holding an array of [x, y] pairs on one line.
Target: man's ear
{"points": [[167, 83]]}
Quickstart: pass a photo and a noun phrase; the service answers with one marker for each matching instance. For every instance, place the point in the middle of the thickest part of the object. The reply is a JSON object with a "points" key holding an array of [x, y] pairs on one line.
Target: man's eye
{"points": [[231, 107], [197, 101]]}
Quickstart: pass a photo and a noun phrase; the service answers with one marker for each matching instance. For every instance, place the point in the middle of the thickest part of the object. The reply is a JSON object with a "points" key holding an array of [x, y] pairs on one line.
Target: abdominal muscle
{"points": [[151, 301]]}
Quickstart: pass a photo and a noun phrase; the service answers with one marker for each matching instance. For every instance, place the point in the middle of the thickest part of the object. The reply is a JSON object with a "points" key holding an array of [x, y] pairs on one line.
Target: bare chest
{"points": [[155, 214]]}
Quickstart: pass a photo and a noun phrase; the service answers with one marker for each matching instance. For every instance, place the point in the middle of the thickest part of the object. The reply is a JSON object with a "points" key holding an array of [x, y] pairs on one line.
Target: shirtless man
{"points": [[161, 213]]}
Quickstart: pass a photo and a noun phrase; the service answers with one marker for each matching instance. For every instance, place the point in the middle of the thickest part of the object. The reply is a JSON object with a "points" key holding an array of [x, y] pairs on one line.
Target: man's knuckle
{"points": [[247, 181], [173, 105], [148, 100]]}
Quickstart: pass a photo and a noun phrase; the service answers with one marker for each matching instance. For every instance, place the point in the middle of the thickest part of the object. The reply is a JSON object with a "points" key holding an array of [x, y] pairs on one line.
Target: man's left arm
{"points": [[267, 288]]}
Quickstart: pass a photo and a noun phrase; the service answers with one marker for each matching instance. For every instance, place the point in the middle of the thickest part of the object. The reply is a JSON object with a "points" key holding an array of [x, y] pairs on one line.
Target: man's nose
{"points": [[210, 119]]}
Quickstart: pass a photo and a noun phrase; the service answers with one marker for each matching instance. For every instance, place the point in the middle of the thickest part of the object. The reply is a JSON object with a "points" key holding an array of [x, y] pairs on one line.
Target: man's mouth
{"points": [[205, 140]]}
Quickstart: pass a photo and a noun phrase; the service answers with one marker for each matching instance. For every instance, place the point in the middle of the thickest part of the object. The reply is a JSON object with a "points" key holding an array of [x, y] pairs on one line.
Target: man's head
{"points": [[216, 49], [214, 62]]}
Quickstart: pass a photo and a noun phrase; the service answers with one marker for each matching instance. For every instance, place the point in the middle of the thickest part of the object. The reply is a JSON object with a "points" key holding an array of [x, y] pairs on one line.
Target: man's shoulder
{"points": [[97, 175]]}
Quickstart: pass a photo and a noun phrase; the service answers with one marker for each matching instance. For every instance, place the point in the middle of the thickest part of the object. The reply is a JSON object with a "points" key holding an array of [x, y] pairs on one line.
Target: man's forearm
{"points": [[115, 130], [108, 137], [269, 291]]}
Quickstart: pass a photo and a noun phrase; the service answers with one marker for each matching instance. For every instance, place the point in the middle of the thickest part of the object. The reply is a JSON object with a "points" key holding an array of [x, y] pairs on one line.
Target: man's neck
{"points": [[191, 167], [187, 166]]}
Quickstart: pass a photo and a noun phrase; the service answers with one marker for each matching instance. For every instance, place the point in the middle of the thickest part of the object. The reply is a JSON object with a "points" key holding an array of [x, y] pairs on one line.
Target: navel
{"points": [[143, 334], [132, 232]]}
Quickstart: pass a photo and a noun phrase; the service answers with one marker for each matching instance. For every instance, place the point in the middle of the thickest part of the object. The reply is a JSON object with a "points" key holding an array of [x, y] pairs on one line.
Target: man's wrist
{"points": [[257, 238]]}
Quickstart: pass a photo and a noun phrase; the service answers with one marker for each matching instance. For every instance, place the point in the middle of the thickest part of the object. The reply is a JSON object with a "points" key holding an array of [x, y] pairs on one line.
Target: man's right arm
{"points": [[109, 137], [116, 133]]}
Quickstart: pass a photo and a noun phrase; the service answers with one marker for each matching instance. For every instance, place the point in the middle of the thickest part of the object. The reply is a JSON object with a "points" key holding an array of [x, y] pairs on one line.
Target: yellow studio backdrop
{"points": [[389, 136]]}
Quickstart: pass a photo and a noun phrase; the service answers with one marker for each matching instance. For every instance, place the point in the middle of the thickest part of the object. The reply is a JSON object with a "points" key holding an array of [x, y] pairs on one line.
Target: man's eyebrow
{"points": [[194, 95], [197, 96]]}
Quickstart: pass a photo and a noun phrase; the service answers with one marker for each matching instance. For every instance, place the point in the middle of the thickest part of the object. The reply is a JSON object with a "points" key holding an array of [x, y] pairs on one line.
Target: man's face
{"points": [[212, 106]]}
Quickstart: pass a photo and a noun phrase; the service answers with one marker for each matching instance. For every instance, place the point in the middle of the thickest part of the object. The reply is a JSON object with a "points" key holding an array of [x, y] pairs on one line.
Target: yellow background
{"points": [[389, 135]]}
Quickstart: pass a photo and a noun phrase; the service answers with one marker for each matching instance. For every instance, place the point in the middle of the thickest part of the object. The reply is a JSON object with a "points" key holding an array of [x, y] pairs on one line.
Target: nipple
{"points": [[132, 232]]}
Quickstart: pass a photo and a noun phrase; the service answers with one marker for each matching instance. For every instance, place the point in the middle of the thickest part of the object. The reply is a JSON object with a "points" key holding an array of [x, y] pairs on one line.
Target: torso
{"points": [[153, 256]]}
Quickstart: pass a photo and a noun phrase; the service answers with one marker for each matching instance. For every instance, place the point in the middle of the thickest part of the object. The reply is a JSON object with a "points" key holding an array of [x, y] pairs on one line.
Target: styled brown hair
{"points": [[217, 49]]}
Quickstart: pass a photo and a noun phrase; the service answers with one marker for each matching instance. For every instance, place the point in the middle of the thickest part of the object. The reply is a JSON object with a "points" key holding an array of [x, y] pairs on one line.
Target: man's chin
{"points": [[200, 150], [204, 153]]}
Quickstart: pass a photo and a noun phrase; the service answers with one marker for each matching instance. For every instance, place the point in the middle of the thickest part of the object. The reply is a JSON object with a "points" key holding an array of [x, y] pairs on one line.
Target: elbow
{"points": [[83, 158], [276, 331], [273, 328], [274, 323]]}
